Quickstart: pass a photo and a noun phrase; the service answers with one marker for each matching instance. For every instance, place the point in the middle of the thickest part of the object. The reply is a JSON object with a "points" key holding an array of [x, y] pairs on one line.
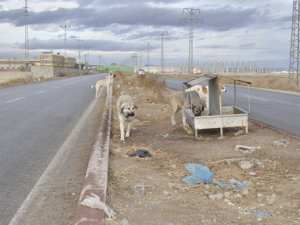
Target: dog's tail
{"points": [[92, 86]]}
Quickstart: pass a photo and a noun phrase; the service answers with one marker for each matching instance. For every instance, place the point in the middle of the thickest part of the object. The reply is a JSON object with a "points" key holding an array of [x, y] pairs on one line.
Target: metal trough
{"points": [[218, 116], [231, 117]]}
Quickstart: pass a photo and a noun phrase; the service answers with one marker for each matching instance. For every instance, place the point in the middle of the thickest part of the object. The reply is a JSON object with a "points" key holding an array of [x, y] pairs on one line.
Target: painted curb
{"points": [[97, 172]]}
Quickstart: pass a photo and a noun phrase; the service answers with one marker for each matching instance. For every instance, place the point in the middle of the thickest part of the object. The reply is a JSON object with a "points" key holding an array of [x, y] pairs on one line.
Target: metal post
{"points": [[26, 39], [148, 56]]}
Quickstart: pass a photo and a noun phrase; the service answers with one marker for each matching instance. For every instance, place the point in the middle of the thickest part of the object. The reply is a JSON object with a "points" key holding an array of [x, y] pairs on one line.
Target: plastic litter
{"points": [[281, 143], [262, 214], [233, 184], [95, 202], [246, 149], [141, 153], [200, 174]]}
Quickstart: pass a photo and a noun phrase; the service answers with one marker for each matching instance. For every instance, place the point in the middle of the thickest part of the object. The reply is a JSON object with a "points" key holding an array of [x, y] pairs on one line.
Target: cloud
{"points": [[218, 19], [94, 45]]}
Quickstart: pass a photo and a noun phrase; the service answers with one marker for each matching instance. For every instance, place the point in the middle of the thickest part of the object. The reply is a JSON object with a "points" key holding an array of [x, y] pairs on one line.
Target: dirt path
{"points": [[151, 191]]}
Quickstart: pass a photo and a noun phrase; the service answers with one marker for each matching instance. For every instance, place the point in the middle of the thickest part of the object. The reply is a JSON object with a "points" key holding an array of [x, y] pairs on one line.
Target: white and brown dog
{"points": [[203, 93], [125, 107], [107, 82], [179, 101]]}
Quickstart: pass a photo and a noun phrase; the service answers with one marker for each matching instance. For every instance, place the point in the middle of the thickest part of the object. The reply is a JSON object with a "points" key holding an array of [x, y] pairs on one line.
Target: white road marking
{"points": [[15, 100], [41, 92], [62, 154]]}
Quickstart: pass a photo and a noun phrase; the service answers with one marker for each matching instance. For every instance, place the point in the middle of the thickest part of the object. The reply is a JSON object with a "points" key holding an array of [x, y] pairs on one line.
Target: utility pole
{"points": [[190, 19], [162, 58], [148, 55], [79, 54], [134, 62], [65, 27], [294, 45], [26, 14], [141, 58]]}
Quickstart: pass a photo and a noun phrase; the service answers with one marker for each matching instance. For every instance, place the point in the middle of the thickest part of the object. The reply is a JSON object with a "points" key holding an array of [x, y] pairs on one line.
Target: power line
{"points": [[294, 45], [191, 19]]}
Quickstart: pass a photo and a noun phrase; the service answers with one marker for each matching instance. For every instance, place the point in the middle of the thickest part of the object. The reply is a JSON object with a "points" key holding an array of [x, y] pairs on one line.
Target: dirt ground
{"points": [[146, 191]]}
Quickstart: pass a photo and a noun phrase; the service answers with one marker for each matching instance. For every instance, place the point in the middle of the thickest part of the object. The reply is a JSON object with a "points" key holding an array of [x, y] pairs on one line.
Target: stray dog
{"points": [[125, 107], [203, 93], [190, 99], [107, 82]]}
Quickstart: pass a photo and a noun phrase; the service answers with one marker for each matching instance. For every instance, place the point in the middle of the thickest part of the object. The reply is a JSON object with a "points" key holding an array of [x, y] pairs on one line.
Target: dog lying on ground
{"points": [[190, 99], [107, 82], [125, 108], [203, 93]]}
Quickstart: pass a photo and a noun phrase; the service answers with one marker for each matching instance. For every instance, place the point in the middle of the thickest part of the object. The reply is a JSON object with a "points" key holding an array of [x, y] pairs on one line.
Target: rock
{"points": [[226, 194], [259, 195], [238, 196], [245, 165], [252, 173], [245, 192], [217, 196], [281, 143], [165, 136], [228, 202], [271, 199]]}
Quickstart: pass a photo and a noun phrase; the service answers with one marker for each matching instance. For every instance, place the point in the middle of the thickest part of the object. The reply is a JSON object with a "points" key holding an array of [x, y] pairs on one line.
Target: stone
{"points": [[245, 165], [217, 196], [271, 199]]}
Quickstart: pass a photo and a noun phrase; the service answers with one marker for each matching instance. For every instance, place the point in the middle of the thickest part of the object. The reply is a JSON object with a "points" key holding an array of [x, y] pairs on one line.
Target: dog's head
{"points": [[197, 109], [127, 109]]}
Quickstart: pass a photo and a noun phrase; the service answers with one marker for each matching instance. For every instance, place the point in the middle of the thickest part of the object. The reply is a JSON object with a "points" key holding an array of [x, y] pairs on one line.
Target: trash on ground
{"points": [[262, 214], [165, 136], [141, 153], [233, 184], [95, 202], [239, 132], [246, 149], [281, 143], [200, 174], [139, 189]]}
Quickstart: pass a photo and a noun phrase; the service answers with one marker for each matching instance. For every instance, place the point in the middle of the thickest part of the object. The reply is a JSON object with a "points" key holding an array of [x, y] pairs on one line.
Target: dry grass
{"points": [[20, 81], [270, 82], [154, 85]]}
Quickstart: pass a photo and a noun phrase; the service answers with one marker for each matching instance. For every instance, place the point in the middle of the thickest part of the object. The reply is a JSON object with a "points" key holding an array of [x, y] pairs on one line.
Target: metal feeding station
{"points": [[218, 116]]}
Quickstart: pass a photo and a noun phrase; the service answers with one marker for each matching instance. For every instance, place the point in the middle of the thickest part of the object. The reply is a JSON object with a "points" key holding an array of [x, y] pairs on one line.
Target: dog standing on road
{"points": [[125, 107], [107, 82]]}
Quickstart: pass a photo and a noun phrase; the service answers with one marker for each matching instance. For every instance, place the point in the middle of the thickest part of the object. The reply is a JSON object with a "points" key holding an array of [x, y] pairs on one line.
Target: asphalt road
{"points": [[35, 120], [278, 109]]}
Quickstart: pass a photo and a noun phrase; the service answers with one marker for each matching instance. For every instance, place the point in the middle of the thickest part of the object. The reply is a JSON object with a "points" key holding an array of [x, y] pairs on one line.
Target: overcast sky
{"points": [[115, 29]]}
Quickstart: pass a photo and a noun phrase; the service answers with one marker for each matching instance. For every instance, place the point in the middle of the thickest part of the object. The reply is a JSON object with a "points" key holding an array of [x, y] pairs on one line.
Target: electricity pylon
{"points": [[294, 66], [191, 19]]}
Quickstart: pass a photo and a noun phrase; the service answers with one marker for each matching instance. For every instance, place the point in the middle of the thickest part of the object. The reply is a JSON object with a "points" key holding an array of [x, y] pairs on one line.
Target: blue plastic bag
{"points": [[200, 174]]}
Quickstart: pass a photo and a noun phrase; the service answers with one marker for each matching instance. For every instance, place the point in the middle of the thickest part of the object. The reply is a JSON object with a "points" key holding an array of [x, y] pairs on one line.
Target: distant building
{"points": [[45, 59], [56, 60], [15, 64]]}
